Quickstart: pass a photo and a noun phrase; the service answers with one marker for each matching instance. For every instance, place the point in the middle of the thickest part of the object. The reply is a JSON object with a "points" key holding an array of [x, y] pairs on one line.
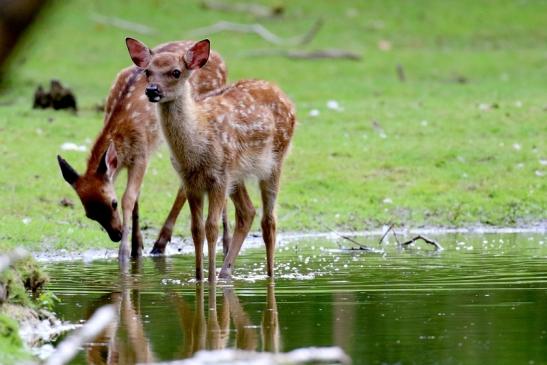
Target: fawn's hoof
{"points": [[225, 274], [157, 249], [123, 254], [160, 244]]}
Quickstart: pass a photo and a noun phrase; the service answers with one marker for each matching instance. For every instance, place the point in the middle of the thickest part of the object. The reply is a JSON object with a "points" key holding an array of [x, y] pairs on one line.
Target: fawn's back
{"points": [[249, 126]]}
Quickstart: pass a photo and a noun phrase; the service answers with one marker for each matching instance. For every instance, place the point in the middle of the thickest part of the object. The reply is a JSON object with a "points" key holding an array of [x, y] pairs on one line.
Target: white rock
{"points": [[334, 105], [314, 113], [69, 146]]}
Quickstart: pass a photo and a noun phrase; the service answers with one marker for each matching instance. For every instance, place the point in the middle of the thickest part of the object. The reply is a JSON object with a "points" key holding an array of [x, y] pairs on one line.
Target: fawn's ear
{"points": [[69, 174], [197, 56], [109, 162], [140, 54]]}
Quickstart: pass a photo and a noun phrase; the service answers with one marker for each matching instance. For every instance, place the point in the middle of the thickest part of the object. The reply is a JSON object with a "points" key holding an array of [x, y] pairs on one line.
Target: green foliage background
{"points": [[464, 134]]}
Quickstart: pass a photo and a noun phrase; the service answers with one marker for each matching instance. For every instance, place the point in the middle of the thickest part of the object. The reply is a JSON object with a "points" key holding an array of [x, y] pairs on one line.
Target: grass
{"points": [[11, 347], [427, 151]]}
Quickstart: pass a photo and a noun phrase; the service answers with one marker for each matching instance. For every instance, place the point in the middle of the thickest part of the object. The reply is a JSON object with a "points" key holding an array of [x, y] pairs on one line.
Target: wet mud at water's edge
{"points": [[482, 299]]}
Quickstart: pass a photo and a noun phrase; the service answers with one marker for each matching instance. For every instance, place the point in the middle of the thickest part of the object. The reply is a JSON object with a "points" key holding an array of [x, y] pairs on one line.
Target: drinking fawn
{"points": [[129, 136]]}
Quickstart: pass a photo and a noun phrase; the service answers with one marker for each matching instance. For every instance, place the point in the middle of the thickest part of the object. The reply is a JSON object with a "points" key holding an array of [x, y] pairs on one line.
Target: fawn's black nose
{"points": [[153, 93], [115, 235]]}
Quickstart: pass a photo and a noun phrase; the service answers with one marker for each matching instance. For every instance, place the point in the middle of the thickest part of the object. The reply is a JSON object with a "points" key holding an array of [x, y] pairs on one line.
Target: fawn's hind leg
{"points": [[167, 229], [245, 213], [269, 189]]}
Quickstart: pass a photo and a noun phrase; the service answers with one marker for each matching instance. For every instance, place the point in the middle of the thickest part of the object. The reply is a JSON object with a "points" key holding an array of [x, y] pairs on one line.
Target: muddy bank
{"points": [[183, 245]]}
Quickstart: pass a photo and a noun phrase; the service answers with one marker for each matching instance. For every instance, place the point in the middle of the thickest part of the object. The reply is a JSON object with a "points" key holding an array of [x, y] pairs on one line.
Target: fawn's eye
{"points": [[147, 73], [176, 74], [114, 204]]}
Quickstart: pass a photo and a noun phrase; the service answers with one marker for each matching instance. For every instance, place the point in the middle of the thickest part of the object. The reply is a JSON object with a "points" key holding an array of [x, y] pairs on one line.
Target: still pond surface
{"points": [[481, 300]]}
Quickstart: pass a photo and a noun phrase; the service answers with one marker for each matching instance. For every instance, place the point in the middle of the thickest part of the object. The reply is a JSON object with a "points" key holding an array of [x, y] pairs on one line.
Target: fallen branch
{"points": [[69, 348], [425, 239], [259, 30], [256, 10], [122, 24], [406, 243], [332, 53]]}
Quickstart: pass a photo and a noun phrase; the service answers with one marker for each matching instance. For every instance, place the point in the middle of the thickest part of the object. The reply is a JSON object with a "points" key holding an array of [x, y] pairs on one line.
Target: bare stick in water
{"points": [[385, 233], [425, 239]]}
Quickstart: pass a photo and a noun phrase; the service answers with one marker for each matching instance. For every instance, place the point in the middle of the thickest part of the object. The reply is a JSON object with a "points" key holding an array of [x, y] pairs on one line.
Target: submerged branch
{"points": [[391, 228], [361, 247], [425, 239]]}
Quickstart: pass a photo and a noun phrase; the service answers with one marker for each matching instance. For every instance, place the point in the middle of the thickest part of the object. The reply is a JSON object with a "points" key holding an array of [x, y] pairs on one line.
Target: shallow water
{"points": [[483, 299]]}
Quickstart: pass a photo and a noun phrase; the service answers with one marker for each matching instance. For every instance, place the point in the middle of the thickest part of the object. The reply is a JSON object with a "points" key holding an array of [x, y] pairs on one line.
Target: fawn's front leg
{"points": [[136, 235], [226, 239], [198, 230], [217, 200], [167, 230], [135, 175]]}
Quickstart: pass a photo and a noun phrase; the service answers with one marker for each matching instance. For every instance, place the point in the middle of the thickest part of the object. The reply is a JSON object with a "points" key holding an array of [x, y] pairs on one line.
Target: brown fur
{"points": [[131, 124]]}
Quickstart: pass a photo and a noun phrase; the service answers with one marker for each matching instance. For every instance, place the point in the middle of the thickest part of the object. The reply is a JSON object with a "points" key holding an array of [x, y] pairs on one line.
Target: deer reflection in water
{"points": [[225, 325]]}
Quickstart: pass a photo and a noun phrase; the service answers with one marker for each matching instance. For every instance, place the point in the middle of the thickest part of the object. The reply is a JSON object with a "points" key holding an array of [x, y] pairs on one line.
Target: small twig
{"points": [[401, 73], [123, 24], [256, 10], [331, 53], [426, 240], [91, 329], [259, 30], [385, 234], [361, 247], [396, 238]]}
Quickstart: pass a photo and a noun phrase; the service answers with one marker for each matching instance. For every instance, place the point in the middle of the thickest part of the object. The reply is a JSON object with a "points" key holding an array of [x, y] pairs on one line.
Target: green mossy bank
{"points": [[20, 284], [460, 141]]}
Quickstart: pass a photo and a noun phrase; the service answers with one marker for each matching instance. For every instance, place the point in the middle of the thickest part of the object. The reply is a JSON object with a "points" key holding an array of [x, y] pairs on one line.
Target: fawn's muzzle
{"points": [[153, 93], [115, 235]]}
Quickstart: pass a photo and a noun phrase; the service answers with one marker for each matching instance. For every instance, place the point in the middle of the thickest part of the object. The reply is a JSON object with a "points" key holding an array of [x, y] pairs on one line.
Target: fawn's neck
{"points": [[182, 127]]}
